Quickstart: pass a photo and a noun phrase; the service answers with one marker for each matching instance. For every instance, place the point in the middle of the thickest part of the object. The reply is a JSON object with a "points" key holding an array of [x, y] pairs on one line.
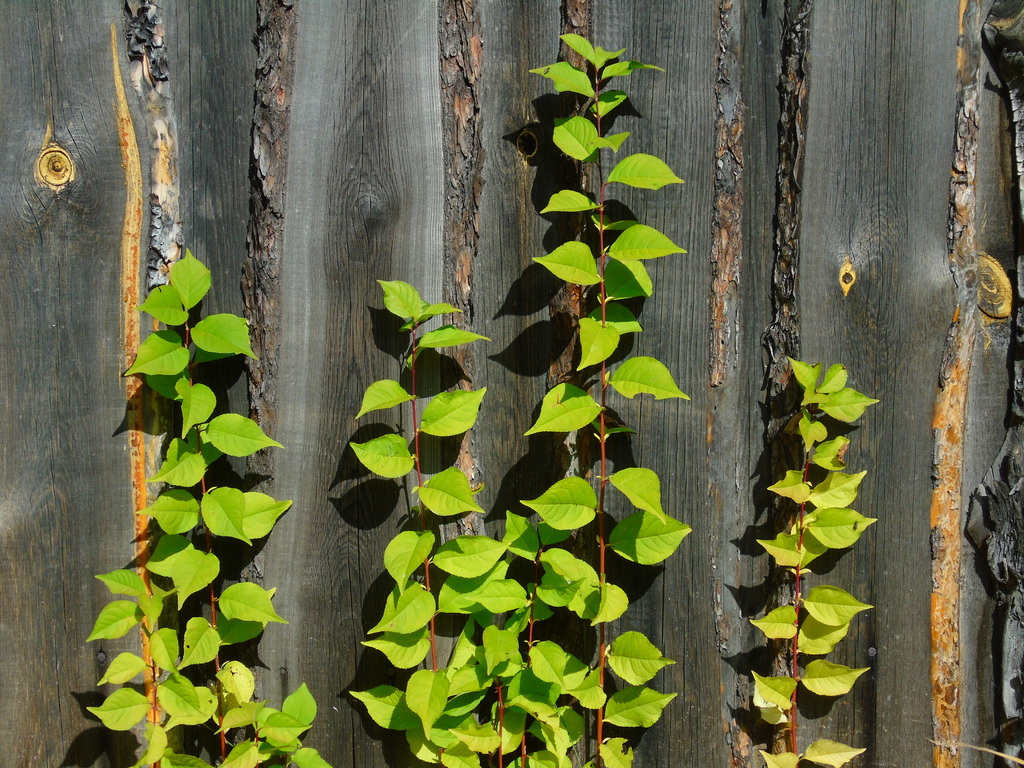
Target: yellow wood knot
{"points": [[995, 294], [847, 276], [55, 168], [526, 143]]}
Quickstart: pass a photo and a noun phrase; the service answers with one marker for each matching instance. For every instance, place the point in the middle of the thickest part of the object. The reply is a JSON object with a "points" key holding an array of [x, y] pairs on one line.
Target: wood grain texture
{"points": [[876, 192], [66, 511]]}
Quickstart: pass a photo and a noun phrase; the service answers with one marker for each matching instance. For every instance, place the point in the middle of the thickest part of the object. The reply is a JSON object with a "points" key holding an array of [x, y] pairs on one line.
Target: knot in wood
{"points": [[847, 276], [995, 294], [54, 168]]}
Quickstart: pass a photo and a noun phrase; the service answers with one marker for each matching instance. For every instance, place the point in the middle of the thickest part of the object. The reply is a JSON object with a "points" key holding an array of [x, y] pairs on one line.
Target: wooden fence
{"points": [[850, 196]]}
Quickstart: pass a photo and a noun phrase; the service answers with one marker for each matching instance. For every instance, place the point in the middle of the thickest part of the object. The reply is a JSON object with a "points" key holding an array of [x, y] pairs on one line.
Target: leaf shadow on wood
{"points": [[96, 742]]}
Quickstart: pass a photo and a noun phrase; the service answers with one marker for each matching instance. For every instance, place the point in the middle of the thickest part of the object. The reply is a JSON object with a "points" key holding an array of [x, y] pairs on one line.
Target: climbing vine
{"points": [[189, 514]]}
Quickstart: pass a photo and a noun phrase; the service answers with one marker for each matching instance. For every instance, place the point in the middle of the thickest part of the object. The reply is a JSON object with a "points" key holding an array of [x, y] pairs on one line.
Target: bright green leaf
{"points": [[426, 693], [223, 334], [301, 705], [635, 659], [575, 136], [830, 454], [838, 528], [468, 556], [175, 510], [569, 201], [776, 691], [836, 490], [448, 336], [627, 280], [184, 465], [613, 602], [608, 101], [406, 611], [197, 404], [564, 409], [792, 486], [827, 679], [833, 606], [190, 278], [645, 375], [202, 642], [161, 354], [261, 513], [189, 569], [778, 624], [248, 602], [520, 536], [811, 431], [616, 754], [573, 262], [164, 303], [307, 757], [566, 77], [642, 487], [403, 651], [237, 680], [636, 706], [621, 68], [642, 242], [817, 639], [781, 760], [568, 504], [451, 413], [643, 171], [387, 707], [846, 405], [236, 435], [123, 668], [619, 317], [407, 552], [245, 754], [448, 493], [401, 299], [387, 455], [382, 394], [806, 375], [835, 379], [163, 645], [597, 342], [224, 513], [646, 538], [830, 753], [124, 582], [116, 619], [582, 46], [122, 709]]}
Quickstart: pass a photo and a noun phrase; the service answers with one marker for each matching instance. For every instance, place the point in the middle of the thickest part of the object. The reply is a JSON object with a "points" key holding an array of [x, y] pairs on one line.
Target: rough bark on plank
{"points": [[994, 522]]}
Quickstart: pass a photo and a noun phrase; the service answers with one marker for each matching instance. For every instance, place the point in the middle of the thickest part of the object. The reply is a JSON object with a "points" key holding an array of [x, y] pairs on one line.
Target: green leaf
{"points": [[520, 536], [164, 303], [778, 624], [645, 375], [301, 705], [224, 513], [597, 342], [838, 528], [156, 745], [498, 647], [643, 171], [382, 394], [812, 432], [122, 709], [573, 262], [612, 604], [406, 611], [232, 631], [647, 539], [636, 706], [590, 694], [619, 317], [836, 490], [426, 694], [613, 140], [829, 455], [282, 730], [116, 619], [236, 435], [468, 556], [621, 68], [817, 639], [552, 664], [775, 691], [448, 493], [451, 413], [223, 334], [153, 605], [789, 551], [175, 510], [569, 201], [642, 242], [833, 606], [627, 280], [184, 465], [533, 695], [189, 569], [237, 680], [806, 375], [781, 760], [202, 642], [566, 77], [616, 754], [190, 278], [602, 57], [642, 487], [835, 379], [407, 552], [827, 679], [307, 757], [608, 101], [261, 513], [161, 354], [123, 582], [831, 753], [401, 299], [245, 754], [792, 486], [575, 136], [564, 409], [846, 405], [582, 46], [448, 336], [248, 602], [478, 738], [387, 455], [163, 644], [387, 707], [186, 703], [403, 651], [635, 659], [568, 504], [123, 668]]}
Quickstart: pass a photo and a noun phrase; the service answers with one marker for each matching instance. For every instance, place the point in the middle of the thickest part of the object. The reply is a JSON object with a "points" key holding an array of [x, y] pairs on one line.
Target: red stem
{"points": [[419, 484], [796, 610], [501, 725]]}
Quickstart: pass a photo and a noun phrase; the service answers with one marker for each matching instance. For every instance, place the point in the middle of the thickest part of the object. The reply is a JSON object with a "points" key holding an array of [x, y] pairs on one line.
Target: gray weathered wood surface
{"points": [[398, 154]]}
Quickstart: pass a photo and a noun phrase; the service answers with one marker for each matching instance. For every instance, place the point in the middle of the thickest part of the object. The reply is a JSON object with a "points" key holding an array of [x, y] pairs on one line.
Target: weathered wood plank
{"points": [[65, 513], [875, 190]]}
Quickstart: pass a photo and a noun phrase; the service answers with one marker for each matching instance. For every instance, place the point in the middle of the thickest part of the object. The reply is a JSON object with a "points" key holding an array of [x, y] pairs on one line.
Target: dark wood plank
{"points": [[66, 511], [875, 192]]}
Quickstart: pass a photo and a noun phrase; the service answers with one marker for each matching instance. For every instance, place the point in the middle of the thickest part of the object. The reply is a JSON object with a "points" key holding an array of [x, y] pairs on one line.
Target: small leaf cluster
{"points": [[816, 620], [176, 568]]}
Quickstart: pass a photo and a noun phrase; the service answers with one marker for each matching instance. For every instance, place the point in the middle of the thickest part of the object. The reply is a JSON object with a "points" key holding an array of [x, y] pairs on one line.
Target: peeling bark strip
{"points": [[994, 523], [275, 76], [727, 219], [461, 59], [131, 297], [144, 31], [726, 264], [950, 413], [782, 338]]}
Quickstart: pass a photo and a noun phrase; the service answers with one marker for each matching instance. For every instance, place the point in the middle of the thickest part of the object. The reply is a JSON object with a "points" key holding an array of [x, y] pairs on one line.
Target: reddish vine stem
{"points": [[419, 484], [796, 610]]}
